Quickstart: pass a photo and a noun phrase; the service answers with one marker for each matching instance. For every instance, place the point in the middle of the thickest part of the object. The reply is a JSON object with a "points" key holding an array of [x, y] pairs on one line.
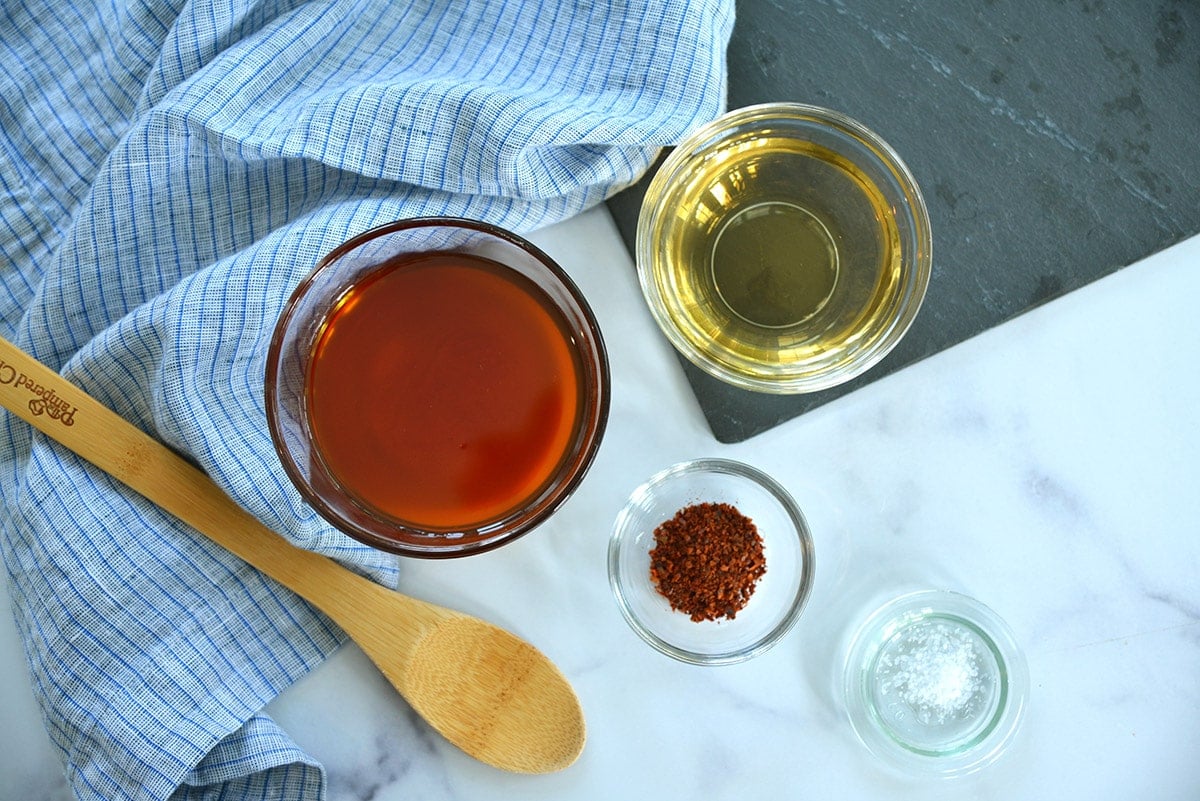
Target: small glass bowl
{"points": [[302, 322], [783, 248], [935, 684], [779, 596]]}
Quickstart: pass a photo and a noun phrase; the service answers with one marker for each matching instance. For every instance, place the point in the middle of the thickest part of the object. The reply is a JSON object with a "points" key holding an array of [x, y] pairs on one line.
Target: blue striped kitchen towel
{"points": [[169, 170]]}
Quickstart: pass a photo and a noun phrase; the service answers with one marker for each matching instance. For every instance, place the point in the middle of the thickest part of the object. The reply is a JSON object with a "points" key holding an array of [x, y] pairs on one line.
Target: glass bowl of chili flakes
{"points": [[711, 561]]}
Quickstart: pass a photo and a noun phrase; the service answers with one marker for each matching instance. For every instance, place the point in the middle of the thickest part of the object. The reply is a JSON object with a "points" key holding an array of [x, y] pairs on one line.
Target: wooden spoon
{"points": [[490, 693]]}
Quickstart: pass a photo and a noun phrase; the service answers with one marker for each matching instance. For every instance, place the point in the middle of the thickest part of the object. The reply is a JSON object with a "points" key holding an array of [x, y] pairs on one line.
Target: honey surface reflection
{"points": [[444, 391]]}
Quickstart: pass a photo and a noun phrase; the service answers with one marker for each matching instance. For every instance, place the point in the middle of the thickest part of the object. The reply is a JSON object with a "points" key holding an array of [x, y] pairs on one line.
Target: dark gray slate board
{"points": [[1055, 142]]}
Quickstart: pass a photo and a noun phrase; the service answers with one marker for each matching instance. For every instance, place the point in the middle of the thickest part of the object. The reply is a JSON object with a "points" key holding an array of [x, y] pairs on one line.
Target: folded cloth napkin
{"points": [[169, 170]]}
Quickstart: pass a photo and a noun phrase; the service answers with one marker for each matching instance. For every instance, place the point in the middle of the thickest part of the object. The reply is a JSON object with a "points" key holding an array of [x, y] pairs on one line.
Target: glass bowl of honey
{"points": [[437, 387], [784, 248]]}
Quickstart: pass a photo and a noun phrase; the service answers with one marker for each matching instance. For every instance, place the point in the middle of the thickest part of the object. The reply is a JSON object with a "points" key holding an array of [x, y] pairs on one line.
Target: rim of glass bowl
{"points": [[388, 534], [865, 644], [622, 535], [919, 240]]}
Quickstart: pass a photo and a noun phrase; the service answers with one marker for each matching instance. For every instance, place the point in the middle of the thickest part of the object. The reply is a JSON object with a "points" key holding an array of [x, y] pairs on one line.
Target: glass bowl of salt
{"points": [[935, 683]]}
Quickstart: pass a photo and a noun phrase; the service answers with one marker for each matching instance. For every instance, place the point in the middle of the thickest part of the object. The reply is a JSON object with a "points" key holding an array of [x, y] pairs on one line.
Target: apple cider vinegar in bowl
{"points": [[783, 248]]}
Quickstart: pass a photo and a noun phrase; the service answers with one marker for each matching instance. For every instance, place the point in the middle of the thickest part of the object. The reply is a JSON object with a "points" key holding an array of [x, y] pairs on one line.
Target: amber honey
{"points": [[443, 391]]}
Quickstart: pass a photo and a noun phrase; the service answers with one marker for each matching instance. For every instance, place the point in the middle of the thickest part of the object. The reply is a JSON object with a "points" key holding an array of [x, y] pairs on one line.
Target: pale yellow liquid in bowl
{"points": [[778, 257]]}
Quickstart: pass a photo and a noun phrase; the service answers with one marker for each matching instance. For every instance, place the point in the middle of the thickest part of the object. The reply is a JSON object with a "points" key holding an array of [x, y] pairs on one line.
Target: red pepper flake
{"points": [[707, 560]]}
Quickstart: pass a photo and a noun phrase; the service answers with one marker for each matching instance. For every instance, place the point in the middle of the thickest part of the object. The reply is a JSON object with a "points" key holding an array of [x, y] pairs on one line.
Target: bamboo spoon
{"points": [[490, 693]]}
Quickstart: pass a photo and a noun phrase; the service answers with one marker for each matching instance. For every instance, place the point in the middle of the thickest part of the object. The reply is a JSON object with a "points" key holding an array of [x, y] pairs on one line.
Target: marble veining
{"points": [[1012, 467]]}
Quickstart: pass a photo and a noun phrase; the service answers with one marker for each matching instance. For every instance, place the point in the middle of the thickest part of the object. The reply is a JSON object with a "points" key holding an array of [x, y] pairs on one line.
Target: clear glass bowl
{"points": [[304, 319], [779, 596], [935, 684], [784, 248]]}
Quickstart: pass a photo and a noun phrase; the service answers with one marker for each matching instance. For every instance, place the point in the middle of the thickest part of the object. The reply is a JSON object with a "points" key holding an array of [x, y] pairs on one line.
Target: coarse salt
{"points": [[934, 669]]}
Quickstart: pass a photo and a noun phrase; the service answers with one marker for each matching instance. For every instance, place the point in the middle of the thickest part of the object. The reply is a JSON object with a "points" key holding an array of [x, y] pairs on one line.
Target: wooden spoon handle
{"points": [[67, 414], [490, 693]]}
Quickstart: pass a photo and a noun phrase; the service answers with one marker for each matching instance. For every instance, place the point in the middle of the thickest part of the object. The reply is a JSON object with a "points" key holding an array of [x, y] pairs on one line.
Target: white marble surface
{"points": [[1049, 468]]}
